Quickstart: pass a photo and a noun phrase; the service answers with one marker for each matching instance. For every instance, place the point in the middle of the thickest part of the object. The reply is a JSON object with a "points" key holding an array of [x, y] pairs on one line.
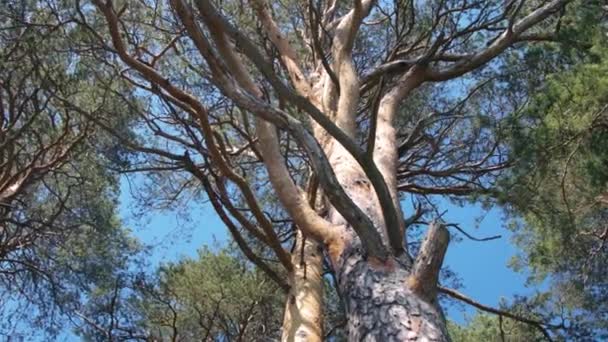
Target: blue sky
{"points": [[481, 266]]}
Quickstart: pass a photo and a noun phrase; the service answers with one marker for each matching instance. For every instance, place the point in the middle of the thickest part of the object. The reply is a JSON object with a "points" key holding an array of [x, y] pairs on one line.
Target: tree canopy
{"points": [[326, 136]]}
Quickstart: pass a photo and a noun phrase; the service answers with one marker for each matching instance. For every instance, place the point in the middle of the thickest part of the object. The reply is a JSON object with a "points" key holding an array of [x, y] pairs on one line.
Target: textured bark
{"points": [[303, 320], [380, 306]]}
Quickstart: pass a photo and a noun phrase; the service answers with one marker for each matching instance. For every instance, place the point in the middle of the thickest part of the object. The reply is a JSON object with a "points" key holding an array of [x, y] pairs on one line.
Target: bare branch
{"points": [[425, 273], [286, 51]]}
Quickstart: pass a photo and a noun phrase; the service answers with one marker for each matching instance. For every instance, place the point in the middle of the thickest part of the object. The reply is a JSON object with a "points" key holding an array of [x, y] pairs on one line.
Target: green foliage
{"points": [[559, 180], [59, 234], [485, 327], [216, 296]]}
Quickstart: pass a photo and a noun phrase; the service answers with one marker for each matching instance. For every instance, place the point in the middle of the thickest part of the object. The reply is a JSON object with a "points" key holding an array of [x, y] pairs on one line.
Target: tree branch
{"points": [[290, 195], [425, 273], [286, 51], [510, 35], [201, 114]]}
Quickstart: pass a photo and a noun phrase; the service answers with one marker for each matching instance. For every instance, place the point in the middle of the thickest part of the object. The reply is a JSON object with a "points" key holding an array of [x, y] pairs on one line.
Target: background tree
{"points": [[484, 327], [216, 296], [58, 229], [559, 184], [554, 189]]}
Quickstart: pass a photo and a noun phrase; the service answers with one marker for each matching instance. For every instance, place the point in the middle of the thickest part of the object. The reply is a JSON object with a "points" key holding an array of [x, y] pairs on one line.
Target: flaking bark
{"points": [[380, 306]]}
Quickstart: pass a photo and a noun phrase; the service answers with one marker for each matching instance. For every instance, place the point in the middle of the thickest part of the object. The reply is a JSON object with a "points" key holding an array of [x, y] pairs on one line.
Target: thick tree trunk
{"points": [[303, 319], [381, 307]]}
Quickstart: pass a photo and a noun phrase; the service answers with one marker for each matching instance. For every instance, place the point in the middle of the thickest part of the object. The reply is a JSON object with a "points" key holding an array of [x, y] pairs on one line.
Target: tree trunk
{"points": [[303, 319], [381, 307], [392, 300]]}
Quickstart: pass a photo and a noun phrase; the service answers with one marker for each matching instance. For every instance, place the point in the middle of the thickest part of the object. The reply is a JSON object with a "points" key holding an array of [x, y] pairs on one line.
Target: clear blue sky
{"points": [[482, 266]]}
